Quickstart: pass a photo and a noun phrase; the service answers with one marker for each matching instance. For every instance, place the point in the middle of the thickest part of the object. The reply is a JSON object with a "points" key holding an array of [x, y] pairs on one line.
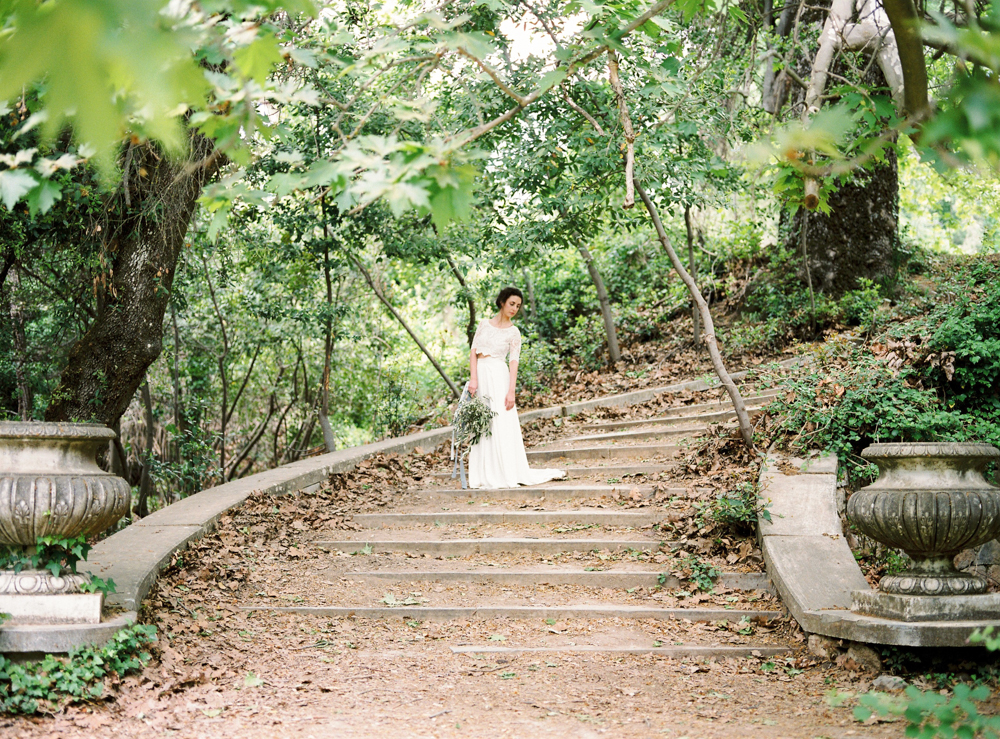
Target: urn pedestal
{"points": [[51, 485], [931, 501]]}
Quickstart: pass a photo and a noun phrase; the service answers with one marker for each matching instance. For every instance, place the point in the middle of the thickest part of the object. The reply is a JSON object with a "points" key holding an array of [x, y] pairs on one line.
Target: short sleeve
{"points": [[515, 346], [476, 343]]}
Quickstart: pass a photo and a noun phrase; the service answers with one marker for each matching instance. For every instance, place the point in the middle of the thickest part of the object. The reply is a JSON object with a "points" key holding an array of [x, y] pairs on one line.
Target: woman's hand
{"points": [[473, 387], [508, 402]]}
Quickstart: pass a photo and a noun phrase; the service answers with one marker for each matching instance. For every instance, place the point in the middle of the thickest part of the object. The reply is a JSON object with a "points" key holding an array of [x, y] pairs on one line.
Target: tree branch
{"points": [[616, 85], [906, 27], [746, 429], [493, 76], [589, 118]]}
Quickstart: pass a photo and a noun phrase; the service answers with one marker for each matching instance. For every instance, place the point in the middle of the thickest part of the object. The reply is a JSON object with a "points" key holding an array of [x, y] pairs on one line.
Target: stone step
{"points": [[653, 432], [635, 519], [582, 610], [575, 472], [464, 547], [623, 579], [668, 421], [567, 492], [637, 451], [703, 651]]}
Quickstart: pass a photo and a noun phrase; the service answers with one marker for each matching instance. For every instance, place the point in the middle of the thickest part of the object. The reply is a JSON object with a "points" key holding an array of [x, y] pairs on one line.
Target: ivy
{"points": [[58, 555], [53, 682]]}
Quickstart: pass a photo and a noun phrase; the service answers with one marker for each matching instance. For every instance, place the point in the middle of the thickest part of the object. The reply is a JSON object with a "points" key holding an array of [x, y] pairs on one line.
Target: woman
{"points": [[499, 461]]}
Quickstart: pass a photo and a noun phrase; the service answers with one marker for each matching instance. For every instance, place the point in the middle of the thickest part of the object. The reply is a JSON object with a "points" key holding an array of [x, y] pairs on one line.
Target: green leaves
{"points": [[256, 60], [930, 715], [111, 67], [45, 686], [15, 184], [52, 553], [43, 197]]}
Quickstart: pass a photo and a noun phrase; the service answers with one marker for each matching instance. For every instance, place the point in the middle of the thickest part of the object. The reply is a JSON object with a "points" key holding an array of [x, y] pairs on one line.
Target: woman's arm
{"points": [[473, 373], [511, 396]]}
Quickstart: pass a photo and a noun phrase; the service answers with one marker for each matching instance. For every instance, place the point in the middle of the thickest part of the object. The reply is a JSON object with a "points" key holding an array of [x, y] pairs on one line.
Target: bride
{"points": [[499, 461]]}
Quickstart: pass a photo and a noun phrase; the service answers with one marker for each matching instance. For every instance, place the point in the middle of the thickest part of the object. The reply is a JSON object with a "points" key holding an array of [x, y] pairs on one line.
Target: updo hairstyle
{"points": [[505, 294]]}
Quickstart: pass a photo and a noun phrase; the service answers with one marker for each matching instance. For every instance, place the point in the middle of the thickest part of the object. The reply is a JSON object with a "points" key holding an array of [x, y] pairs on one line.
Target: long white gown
{"points": [[499, 460]]}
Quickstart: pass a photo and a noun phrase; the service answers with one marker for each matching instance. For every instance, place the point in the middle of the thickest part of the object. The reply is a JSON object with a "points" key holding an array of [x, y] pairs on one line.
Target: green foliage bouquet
{"points": [[473, 420], [473, 423]]}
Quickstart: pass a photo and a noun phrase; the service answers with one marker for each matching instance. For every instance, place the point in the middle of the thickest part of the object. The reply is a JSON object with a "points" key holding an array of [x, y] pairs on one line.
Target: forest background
{"points": [[245, 232]]}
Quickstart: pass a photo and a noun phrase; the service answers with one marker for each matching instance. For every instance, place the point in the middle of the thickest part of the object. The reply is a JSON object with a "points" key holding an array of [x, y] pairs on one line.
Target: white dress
{"points": [[499, 461]]}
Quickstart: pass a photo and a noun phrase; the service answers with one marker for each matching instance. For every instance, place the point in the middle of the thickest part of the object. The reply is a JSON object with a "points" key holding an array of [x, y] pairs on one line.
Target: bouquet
{"points": [[473, 423]]}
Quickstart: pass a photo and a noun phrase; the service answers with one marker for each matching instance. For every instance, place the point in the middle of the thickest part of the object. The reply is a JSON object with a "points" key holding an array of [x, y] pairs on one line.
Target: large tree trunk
{"points": [[109, 362], [859, 236]]}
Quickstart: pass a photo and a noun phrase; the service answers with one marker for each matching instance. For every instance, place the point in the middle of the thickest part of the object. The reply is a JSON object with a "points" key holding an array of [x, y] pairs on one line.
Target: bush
{"points": [[779, 309], [844, 409], [395, 407], [587, 341], [928, 378]]}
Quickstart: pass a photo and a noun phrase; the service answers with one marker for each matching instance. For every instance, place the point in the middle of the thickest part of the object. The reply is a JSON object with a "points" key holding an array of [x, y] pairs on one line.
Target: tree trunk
{"points": [[746, 430], [529, 286], [24, 395], [223, 374], [329, 438], [402, 322], [109, 362], [470, 329], [858, 239], [146, 482], [693, 268], [180, 420], [602, 297]]}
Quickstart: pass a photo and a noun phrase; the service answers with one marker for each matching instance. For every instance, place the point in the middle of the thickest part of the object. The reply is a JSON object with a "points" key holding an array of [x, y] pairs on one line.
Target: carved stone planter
{"points": [[50, 483], [931, 501]]}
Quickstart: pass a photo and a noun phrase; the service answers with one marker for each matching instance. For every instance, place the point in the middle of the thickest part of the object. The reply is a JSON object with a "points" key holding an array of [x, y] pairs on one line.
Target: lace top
{"points": [[497, 342]]}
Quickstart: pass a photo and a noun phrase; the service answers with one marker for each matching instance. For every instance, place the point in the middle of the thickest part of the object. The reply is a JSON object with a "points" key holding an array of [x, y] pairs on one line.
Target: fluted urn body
{"points": [[50, 484], [931, 501]]}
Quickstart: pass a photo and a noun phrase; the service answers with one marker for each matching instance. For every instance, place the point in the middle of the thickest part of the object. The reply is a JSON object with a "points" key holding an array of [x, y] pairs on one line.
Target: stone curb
{"points": [[134, 556], [812, 566]]}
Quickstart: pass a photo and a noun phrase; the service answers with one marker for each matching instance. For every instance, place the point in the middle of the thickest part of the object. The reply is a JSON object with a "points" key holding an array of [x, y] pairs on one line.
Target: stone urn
{"points": [[931, 501], [50, 485]]}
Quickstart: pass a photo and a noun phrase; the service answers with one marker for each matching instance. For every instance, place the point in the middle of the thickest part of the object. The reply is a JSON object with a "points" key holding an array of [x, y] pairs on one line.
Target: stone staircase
{"points": [[583, 558]]}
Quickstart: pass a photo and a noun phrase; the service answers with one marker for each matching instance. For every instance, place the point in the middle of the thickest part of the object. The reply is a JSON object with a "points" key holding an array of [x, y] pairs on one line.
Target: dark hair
{"points": [[505, 294]]}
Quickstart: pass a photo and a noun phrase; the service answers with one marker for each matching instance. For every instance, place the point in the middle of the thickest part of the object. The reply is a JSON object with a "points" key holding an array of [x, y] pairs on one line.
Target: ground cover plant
{"points": [[85, 675]]}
